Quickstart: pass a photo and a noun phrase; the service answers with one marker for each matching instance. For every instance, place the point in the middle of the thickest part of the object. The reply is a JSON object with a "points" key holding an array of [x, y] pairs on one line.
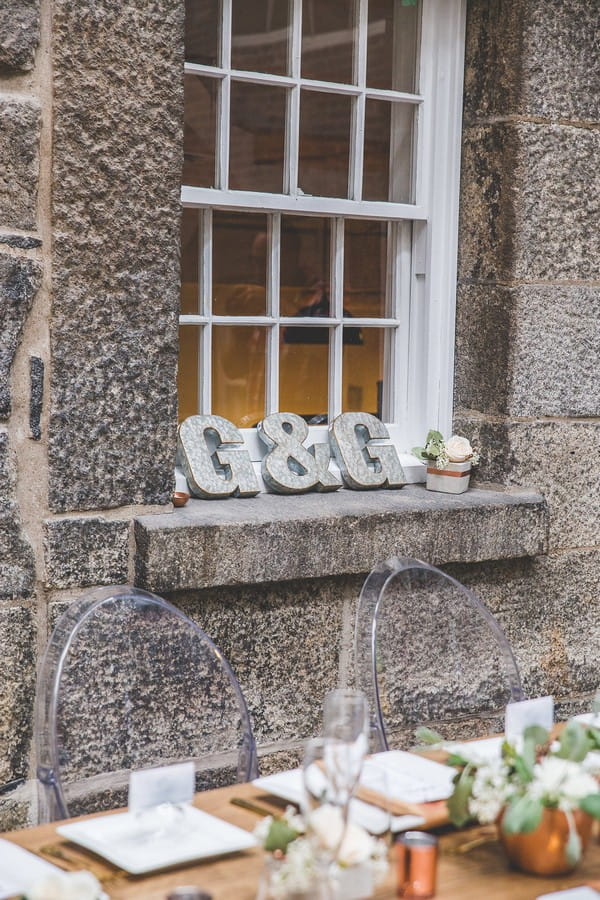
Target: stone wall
{"points": [[528, 317], [90, 139]]}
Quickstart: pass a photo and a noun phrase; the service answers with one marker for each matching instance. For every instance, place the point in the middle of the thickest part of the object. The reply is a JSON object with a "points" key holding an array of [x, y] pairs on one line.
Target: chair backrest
{"points": [[129, 682], [428, 652]]}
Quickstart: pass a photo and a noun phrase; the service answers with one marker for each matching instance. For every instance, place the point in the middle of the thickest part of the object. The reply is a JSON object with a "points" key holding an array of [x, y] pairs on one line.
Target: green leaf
{"points": [[279, 836], [523, 769], [573, 848], [522, 815], [574, 742], [426, 735], [537, 734], [456, 760], [434, 437], [594, 737], [419, 452], [591, 805], [458, 803]]}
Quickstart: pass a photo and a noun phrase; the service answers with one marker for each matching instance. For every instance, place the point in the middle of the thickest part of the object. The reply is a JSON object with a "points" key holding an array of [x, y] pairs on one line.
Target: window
{"points": [[320, 194]]}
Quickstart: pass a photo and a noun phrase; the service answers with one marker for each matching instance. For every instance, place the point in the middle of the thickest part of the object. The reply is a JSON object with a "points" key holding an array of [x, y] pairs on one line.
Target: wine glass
{"points": [[346, 730], [325, 810]]}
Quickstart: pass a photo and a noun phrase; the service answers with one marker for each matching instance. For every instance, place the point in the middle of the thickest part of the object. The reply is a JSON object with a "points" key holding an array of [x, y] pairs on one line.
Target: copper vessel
{"points": [[543, 851]]}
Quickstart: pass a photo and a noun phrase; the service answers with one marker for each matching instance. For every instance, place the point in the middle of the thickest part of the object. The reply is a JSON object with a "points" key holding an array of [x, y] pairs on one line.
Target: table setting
{"points": [[448, 820]]}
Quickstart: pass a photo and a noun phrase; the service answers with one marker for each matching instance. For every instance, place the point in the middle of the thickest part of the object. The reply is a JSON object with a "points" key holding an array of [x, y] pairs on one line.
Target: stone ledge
{"points": [[274, 538]]}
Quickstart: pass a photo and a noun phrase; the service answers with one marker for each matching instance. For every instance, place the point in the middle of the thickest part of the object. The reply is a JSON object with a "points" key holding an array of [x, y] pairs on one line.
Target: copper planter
{"points": [[543, 851]]}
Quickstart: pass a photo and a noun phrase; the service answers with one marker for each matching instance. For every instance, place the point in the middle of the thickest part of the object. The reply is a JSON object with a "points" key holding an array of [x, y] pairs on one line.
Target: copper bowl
{"points": [[180, 498], [543, 851]]}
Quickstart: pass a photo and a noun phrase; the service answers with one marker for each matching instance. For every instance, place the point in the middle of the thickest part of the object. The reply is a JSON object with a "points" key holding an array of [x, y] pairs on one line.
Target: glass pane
{"points": [[199, 132], [362, 372], [403, 117], [187, 372], [202, 31], [328, 40], [392, 44], [303, 361], [365, 268], [189, 261], [238, 372], [324, 144], [376, 165], [239, 264], [260, 34], [305, 249], [256, 146]]}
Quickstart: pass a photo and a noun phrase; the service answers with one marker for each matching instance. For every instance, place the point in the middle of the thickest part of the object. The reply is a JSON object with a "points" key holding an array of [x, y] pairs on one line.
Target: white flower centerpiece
{"points": [[542, 794], [449, 463], [294, 869]]}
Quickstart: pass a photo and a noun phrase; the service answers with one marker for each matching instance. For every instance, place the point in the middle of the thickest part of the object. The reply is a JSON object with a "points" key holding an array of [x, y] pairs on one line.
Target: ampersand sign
{"points": [[213, 457], [363, 464], [289, 467]]}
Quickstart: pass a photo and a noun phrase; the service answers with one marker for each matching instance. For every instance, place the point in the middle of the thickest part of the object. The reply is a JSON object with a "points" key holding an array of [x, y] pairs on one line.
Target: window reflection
{"points": [[260, 35], [238, 373], [257, 137], [362, 373], [324, 144], [239, 264]]}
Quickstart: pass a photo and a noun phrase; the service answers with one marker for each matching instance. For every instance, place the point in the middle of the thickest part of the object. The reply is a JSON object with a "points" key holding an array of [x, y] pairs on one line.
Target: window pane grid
{"points": [[341, 327]]}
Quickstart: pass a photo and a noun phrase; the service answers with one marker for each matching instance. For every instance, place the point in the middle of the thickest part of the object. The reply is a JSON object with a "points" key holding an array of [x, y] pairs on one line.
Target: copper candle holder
{"points": [[417, 864]]}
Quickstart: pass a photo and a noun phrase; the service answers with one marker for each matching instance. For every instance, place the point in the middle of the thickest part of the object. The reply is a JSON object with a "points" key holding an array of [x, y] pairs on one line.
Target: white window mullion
{"points": [[224, 105], [205, 308], [292, 125], [357, 135], [273, 267], [336, 334]]}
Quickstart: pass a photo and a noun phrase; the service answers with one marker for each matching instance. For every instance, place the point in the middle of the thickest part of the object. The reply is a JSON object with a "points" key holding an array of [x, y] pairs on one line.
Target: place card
{"points": [[519, 716], [165, 784]]}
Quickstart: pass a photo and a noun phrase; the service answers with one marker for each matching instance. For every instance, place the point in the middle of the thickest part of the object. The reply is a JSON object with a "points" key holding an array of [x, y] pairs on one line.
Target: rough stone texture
{"points": [[559, 458], [279, 538], [548, 607], [17, 687], [19, 151], [15, 808], [19, 282], [531, 350], [19, 34], [36, 397], [17, 564], [20, 242], [283, 643], [516, 220], [82, 551], [116, 174], [533, 57]]}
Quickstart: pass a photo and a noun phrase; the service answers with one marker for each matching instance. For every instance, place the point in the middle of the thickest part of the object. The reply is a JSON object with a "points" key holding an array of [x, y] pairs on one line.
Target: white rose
{"points": [[458, 449], [67, 886], [357, 846], [327, 824]]}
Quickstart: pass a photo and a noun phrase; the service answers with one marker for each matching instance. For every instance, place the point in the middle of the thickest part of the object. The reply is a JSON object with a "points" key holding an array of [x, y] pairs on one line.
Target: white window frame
{"points": [[419, 397]]}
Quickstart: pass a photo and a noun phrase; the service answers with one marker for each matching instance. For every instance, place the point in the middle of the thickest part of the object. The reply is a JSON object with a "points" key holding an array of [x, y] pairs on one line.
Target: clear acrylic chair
{"points": [[129, 682], [428, 652]]}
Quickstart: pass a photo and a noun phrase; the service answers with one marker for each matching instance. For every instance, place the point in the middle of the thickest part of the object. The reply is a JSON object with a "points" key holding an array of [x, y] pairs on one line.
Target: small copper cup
{"points": [[417, 864], [180, 498]]}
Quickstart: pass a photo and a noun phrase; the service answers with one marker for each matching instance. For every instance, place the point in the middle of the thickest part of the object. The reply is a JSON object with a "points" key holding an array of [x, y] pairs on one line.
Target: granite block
{"points": [[529, 207], [80, 552], [19, 34], [19, 282], [19, 151], [116, 209], [283, 643], [560, 458], [549, 610], [17, 688], [531, 350], [532, 58]]}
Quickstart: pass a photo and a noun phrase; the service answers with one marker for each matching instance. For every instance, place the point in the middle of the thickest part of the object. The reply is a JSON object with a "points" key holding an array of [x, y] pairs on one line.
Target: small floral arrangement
{"points": [[67, 886], [456, 449], [540, 774], [285, 837]]}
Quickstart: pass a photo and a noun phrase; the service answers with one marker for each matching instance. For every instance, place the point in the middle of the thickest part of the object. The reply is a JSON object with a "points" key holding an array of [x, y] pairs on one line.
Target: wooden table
{"points": [[479, 873]]}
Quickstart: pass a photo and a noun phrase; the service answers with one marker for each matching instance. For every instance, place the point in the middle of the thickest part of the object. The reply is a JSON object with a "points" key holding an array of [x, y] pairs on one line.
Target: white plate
{"points": [[138, 846]]}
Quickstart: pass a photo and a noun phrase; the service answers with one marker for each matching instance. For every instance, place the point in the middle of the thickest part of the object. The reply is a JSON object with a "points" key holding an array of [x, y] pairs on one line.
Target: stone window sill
{"points": [[272, 538]]}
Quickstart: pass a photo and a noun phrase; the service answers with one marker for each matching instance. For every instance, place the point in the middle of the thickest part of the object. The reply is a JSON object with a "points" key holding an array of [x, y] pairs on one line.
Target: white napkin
{"points": [[20, 869]]}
